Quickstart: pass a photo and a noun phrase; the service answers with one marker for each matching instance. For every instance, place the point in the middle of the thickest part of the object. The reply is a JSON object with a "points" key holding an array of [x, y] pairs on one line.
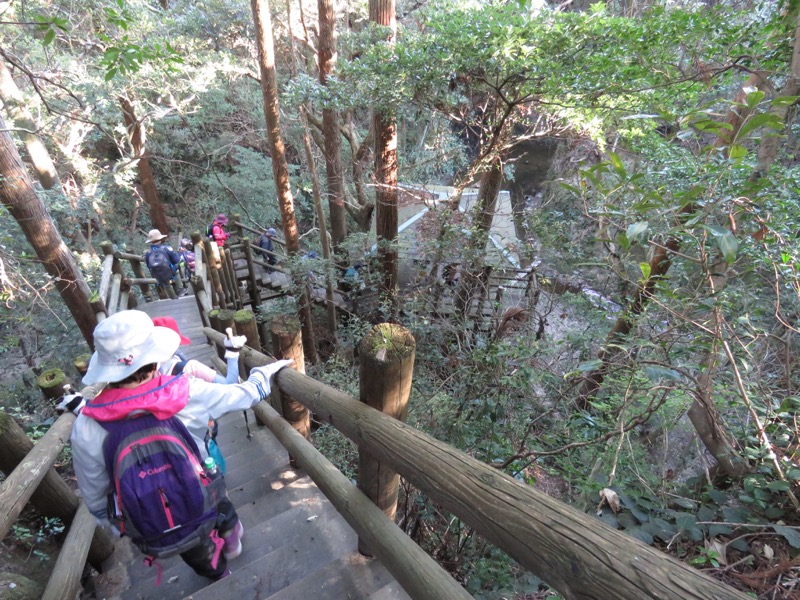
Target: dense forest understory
{"points": [[640, 161]]}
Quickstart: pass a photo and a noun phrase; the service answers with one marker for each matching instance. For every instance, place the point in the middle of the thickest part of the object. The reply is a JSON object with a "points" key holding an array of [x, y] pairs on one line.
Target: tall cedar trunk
{"points": [[18, 110], [280, 170], [382, 12], [330, 303], [330, 123], [18, 195], [485, 206], [137, 137]]}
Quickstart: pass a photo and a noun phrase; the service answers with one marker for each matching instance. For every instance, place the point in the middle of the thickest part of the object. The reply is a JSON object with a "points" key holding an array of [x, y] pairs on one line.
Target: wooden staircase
{"points": [[296, 546]]}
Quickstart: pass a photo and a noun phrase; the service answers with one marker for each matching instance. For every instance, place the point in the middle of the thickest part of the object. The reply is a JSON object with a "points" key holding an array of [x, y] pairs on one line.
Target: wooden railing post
{"points": [[52, 383], [255, 293], [287, 342], [53, 497], [386, 367], [213, 267], [139, 273], [236, 226], [245, 324], [236, 293]]}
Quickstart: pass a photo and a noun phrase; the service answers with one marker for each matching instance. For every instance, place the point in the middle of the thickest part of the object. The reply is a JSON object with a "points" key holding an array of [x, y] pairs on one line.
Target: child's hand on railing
{"points": [[233, 343]]}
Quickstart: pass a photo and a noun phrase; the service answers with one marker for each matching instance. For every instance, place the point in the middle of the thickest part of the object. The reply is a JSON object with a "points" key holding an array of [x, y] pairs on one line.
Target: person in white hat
{"points": [[129, 349]]}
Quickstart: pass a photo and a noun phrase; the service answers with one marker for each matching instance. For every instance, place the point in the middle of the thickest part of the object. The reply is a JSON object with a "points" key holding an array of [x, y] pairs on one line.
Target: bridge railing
{"points": [[575, 553]]}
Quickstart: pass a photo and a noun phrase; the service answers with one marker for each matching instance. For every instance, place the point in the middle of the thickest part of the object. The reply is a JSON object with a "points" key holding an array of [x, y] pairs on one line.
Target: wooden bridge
{"points": [[304, 525]]}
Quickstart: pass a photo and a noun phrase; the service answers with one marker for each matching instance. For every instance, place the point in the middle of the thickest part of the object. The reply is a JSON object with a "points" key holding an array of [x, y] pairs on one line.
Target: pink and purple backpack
{"points": [[162, 497]]}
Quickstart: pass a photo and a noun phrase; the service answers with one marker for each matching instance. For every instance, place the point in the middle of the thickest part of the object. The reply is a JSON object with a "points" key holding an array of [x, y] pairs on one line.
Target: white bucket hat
{"points": [[154, 235], [125, 342]]}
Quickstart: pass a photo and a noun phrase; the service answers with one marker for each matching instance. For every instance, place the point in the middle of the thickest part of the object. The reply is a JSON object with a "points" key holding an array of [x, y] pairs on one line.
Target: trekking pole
{"points": [[229, 333]]}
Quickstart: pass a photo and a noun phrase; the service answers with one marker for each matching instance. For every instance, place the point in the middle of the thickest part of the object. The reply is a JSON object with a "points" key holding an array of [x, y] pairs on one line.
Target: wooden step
{"points": [[350, 577], [392, 591], [302, 546]]}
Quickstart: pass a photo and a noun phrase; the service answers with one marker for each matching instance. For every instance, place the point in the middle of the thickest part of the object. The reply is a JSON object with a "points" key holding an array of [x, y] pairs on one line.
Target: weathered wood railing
{"points": [[578, 555], [31, 477]]}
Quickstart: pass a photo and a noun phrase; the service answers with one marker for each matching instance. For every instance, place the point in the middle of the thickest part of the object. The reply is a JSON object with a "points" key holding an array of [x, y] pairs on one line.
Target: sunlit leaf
{"points": [[636, 231]]}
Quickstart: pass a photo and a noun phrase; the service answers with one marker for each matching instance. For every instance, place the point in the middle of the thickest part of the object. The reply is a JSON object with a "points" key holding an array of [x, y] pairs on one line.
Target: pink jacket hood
{"points": [[163, 396]]}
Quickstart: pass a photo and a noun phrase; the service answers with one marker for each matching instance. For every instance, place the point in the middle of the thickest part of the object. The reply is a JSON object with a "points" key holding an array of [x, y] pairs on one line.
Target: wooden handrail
{"points": [[257, 232], [65, 578], [577, 554], [414, 570], [20, 485]]}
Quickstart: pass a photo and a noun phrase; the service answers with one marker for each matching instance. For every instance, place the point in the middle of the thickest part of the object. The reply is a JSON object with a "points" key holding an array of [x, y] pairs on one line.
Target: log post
{"points": [[287, 342], [255, 293], [213, 319], [235, 289], [203, 302], [115, 294], [225, 318], [245, 324], [225, 278], [213, 267], [53, 497], [65, 578], [105, 278], [52, 383], [386, 364], [138, 271], [81, 363], [236, 226]]}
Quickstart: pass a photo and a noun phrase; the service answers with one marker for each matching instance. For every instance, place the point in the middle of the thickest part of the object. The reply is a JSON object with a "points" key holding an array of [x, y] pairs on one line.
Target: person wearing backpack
{"points": [[217, 232], [144, 418], [161, 260], [265, 242], [187, 259]]}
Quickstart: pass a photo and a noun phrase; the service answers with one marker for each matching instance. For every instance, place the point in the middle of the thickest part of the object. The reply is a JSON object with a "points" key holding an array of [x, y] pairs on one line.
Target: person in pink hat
{"points": [[218, 232]]}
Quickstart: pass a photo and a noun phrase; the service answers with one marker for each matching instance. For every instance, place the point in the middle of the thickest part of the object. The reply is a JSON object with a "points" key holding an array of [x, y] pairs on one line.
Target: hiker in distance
{"points": [[217, 231], [162, 261], [144, 417], [265, 243]]}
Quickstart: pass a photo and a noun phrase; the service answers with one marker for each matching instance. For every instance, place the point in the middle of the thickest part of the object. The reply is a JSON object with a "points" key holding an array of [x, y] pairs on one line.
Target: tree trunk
{"points": [[485, 206], [360, 154], [382, 12], [330, 124], [330, 304], [18, 110], [137, 137], [280, 170], [18, 195]]}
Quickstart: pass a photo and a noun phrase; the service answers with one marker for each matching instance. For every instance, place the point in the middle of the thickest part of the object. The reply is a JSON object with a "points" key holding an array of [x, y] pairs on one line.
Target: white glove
{"points": [[73, 402], [235, 342], [233, 345], [261, 375]]}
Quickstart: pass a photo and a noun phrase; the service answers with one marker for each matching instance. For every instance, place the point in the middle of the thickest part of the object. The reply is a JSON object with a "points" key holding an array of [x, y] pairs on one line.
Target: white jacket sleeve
{"points": [[89, 464], [212, 400]]}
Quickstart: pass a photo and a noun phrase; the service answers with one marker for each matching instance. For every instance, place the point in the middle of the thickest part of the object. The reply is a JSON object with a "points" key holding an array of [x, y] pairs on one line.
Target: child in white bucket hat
{"points": [[129, 348]]}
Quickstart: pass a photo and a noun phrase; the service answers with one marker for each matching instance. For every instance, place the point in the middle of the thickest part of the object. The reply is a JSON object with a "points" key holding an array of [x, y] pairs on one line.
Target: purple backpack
{"points": [[162, 497]]}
